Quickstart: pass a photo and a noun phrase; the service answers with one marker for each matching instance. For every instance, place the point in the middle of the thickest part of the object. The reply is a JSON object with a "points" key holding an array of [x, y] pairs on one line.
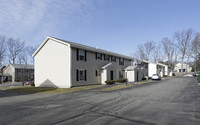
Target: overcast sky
{"points": [[115, 25]]}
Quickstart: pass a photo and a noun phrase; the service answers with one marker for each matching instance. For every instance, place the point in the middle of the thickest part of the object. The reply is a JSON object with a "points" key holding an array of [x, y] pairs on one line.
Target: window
{"points": [[81, 54], [81, 75], [97, 73], [99, 56], [107, 57], [113, 58], [120, 74], [121, 61]]}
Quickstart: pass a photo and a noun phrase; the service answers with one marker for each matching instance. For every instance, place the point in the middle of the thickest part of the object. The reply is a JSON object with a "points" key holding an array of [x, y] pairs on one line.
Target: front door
{"points": [[137, 76], [111, 75]]}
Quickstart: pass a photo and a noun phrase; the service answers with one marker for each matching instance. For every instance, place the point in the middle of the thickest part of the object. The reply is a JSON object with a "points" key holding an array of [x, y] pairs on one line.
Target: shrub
{"points": [[121, 80], [32, 84], [173, 74], [143, 78], [110, 82], [164, 75], [149, 77]]}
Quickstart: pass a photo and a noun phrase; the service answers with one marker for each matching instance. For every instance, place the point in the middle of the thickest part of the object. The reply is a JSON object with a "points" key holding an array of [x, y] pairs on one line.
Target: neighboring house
{"points": [[18, 72], [158, 68], [152, 68], [64, 64], [186, 68]]}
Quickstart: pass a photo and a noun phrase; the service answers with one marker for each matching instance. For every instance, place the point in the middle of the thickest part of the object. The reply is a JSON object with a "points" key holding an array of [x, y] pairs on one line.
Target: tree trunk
{"points": [[182, 67]]}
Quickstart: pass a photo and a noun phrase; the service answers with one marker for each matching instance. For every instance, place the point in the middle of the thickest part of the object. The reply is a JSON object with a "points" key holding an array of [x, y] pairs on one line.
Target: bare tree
{"points": [[158, 54], [2, 49], [140, 52], [149, 47], [15, 47], [183, 40], [194, 50], [145, 50], [168, 49], [31, 50], [23, 56]]}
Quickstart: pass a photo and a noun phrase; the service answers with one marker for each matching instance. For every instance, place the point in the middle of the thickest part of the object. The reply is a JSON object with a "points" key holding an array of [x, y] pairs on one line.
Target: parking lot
{"points": [[170, 101]]}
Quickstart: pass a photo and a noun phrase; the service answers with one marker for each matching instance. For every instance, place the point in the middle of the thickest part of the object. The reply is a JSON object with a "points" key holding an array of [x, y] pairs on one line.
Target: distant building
{"points": [[18, 72], [186, 68]]}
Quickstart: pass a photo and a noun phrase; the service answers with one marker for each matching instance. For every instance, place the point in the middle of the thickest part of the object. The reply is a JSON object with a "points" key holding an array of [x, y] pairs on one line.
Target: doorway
{"points": [[111, 75]]}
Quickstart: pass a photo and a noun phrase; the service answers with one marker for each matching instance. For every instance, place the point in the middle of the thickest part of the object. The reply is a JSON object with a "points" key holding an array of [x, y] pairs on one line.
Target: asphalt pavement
{"points": [[169, 102]]}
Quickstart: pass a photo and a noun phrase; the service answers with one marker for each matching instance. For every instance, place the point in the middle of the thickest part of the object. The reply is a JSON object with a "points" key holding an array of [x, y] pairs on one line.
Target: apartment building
{"points": [[64, 64]]}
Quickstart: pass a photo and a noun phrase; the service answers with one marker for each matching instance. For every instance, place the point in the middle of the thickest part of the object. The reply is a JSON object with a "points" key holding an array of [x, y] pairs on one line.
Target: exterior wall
{"points": [[10, 70], [186, 67], [152, 69], [91, 65], [115, 73], [52, 65], [144, 70], [24, 74], [160, 70], [166, 71]]}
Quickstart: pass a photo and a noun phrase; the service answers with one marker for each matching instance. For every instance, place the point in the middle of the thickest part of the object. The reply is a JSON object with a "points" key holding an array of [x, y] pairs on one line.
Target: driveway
{"points": [[173, 101]]}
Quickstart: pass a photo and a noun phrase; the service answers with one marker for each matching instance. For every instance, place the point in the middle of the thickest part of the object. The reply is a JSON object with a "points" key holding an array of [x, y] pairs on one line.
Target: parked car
{"points": [[29, 82], [156, 77]]}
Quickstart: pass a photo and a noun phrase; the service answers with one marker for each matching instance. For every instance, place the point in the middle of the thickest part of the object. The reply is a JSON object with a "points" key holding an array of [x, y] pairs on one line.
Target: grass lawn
{"points": [[115, 87], [143, 82], [29, 89]]}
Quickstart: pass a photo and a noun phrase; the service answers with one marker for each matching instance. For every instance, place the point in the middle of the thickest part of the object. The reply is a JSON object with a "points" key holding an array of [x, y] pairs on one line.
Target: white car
{"points": [[156, 77]]}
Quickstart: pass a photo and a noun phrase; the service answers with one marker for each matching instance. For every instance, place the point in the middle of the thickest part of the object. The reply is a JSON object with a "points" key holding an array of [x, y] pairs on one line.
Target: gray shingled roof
{"points": [[20, 66], [80, 46]]}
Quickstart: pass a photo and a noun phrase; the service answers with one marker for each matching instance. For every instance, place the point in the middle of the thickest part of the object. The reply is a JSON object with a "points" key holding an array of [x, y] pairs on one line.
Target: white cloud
{"points": [[34, 18]]}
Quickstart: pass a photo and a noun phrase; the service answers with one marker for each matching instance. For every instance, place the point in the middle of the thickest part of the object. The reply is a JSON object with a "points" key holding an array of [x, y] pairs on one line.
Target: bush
{"points": [[121, 80], [149, 77], [164, 75], [143, 78], [32, 84], [173, 74], [110, 82]]}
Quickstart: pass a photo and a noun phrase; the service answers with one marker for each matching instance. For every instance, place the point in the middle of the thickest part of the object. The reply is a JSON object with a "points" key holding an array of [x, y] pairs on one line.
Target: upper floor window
{"points": [[113, 58], [107, 57], [121, 61], [99, 56], [81, 54]]}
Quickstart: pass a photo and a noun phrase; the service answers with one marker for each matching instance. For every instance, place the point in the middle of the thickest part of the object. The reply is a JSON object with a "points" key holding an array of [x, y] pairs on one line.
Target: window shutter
{"points": [[85, 55], [96, 72], [96, 55], [85, 75], [77, 54], [77, 75]]}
